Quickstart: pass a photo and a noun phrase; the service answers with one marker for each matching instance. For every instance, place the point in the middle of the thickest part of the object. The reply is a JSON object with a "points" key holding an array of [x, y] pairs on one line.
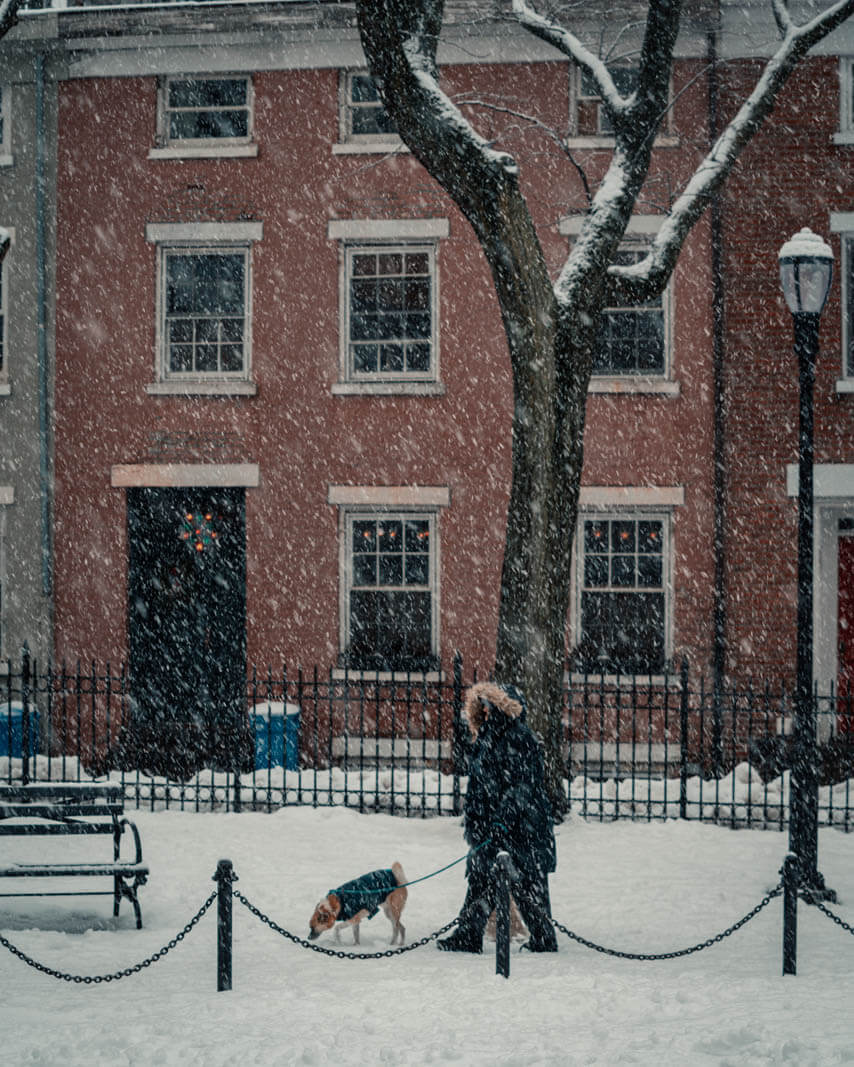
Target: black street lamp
{"points": [[806, 269]]}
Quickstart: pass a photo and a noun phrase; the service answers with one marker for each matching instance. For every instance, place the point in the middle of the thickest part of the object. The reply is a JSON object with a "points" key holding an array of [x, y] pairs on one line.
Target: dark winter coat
{"points": [[367, 891], [506, 799]]}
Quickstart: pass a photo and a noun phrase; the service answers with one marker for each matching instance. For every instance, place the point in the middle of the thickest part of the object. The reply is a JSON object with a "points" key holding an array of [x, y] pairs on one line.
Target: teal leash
{"points": [[424, 877]]}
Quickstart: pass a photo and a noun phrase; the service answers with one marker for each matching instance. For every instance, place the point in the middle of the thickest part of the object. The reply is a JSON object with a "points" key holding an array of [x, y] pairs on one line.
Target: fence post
{"points": [[25, 715], [224, 877], [683, 740], [791, 879], [457, 750], [501, 872]]}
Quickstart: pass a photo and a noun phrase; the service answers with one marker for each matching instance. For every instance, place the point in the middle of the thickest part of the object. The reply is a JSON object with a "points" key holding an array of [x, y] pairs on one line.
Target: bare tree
{"points": [[551, 326]]}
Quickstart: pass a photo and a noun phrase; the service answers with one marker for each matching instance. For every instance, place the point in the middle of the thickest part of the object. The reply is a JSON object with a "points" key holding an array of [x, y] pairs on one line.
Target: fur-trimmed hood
{"points": [[485, 695]]}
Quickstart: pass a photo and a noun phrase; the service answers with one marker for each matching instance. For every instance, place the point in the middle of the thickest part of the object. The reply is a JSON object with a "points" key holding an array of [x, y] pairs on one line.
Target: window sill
{"points": [[608, 142], [625, 681], [235, 151], [201, 389], [5, 389], [340, 675], [7, 160], [365, 148], [845, 385], [634, 386], [844, 137], [388, 389]]}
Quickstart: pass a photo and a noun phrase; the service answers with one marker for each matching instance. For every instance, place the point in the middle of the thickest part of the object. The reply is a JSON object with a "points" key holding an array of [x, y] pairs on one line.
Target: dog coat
{"points": [[366, 892]]}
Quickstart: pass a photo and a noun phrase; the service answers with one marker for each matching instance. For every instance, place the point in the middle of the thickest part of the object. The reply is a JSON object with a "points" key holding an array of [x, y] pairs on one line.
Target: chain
{"points": [[337, 953], [830, 915], [766, 900], [95, 979]]}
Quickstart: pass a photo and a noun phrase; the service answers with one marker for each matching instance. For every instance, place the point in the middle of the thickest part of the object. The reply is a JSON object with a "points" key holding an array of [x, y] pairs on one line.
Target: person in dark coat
{"points": [[506, 808]]}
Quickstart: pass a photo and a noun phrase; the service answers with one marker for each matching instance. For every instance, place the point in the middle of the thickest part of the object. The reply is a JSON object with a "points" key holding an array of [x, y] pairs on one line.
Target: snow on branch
{"points": [[650, 275], [5, 242], [8, 15], [564, 41]]}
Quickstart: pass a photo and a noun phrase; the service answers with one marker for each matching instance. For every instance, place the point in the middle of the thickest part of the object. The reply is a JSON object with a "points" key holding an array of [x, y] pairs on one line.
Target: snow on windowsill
{"points": [[359, 148], [634, 386], [234, 151], [220, 388], [388, 389]]}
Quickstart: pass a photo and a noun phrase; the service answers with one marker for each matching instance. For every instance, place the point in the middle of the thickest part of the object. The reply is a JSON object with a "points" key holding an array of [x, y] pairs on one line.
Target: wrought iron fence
{"points": [[656, 748]]}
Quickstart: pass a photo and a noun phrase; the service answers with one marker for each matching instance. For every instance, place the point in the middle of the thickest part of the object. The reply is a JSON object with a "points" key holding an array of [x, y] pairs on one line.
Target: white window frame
{"points": [[202, 147], [629, 502], [202, 238], [845, 134], [393, 235], [842, 223], [7, 499], [663, 139], [6, 157], [387, 502], [639, 232], [354, 143]]}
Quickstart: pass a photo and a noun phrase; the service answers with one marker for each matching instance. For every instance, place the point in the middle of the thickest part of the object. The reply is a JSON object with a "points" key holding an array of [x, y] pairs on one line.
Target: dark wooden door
{"points": [[187, 627]]}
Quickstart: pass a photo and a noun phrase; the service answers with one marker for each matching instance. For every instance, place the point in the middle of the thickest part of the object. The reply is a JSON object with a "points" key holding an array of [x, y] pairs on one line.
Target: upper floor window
{"points": [[588, 117], [204, 302], [5, 126], [621, 616], [205, 116], [631, 337], [389, 313], [364, 121], [845, 134]]}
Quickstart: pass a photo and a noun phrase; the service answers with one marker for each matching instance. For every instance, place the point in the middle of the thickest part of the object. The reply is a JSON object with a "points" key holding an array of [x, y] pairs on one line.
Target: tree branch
{"points": [[649, 277], [8, 15]]}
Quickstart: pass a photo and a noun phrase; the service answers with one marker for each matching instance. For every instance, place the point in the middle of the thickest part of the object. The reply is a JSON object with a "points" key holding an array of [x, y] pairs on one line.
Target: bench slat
{"points": [[62, 870], [35, 829]]}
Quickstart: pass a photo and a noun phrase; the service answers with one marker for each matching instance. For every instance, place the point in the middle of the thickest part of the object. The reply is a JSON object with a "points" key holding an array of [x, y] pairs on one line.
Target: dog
{"points": [[363, 898]]}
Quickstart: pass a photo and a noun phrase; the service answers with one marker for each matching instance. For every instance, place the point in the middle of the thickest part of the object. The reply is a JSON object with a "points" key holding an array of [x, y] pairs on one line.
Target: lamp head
{"points": [[806, 270]]}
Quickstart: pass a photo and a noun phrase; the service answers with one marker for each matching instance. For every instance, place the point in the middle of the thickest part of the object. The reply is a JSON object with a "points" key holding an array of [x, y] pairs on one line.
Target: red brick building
{"points": [[282, 395]]}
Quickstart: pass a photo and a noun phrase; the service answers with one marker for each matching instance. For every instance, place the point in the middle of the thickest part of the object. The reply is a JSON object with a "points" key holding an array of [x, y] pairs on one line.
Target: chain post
{"points": [[791, 873], [683, 739], [224, 877], [501, 872], [25, 715]]}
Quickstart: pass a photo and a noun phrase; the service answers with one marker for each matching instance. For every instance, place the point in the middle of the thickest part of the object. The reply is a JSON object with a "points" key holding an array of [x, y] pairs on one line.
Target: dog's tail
{"points": [[397, 871]]}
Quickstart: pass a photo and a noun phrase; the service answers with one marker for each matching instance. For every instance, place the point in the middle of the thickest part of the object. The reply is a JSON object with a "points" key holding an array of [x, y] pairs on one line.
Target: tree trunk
{"points": [[547, 456]]}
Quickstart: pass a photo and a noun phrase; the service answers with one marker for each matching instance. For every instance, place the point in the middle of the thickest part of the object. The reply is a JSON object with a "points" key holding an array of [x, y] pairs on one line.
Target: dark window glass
{"points": [[205, 312], [622, 600], [631, 338], [208, 109], [390, 301], [367, 116]]}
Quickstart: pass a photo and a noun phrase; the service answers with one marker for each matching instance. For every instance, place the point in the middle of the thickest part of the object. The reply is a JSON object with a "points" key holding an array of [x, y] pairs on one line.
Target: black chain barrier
{"points": [[831, 915], [338, 953], [95, 979], [766, 900]]}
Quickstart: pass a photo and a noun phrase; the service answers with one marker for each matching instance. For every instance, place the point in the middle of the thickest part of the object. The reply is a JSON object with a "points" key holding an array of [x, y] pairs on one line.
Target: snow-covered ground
{"points": [[633, 886]]}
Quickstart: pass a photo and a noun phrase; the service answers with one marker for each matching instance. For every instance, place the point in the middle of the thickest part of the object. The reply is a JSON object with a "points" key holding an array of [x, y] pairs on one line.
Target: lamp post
{"points": [[806, 269]]}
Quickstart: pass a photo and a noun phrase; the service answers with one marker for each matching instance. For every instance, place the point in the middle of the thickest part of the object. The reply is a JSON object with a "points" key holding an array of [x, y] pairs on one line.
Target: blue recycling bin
{"points": [[275, 727], [12, 730]]}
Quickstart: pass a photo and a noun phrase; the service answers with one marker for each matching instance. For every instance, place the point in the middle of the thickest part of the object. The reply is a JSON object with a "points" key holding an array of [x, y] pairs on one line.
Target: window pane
{"points": [[364, 570], [387, 303], [417, 535], [623, 536], [362, 88], [622, 632], [365, 358], [364, 536], [595, 571], [390, 631]]}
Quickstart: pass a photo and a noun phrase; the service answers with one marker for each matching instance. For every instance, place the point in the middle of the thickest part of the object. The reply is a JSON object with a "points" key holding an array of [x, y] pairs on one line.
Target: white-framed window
{"points": [[6, 158], [633, 347], [7, 498], [389, 576], [389, 304], [623, 591], [363, 119], [204, 306], [204, 115], [845, 134], [588, 119], [842, 223]]}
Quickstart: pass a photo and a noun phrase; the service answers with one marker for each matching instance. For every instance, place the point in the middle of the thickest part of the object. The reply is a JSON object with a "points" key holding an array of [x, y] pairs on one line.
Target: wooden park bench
{"points": [[61, 808]]}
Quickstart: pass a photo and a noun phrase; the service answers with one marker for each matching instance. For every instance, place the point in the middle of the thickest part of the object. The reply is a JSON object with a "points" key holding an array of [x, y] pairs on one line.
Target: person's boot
{"points": [[461, 940]]}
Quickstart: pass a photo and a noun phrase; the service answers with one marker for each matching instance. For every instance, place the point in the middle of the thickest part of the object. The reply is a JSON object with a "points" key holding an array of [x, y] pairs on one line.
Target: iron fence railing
{"points": [[657, 748]]}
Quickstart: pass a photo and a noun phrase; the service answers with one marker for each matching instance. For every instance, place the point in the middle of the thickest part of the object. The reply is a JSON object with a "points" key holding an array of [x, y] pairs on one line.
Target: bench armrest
{"points": [[136, 838]]}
